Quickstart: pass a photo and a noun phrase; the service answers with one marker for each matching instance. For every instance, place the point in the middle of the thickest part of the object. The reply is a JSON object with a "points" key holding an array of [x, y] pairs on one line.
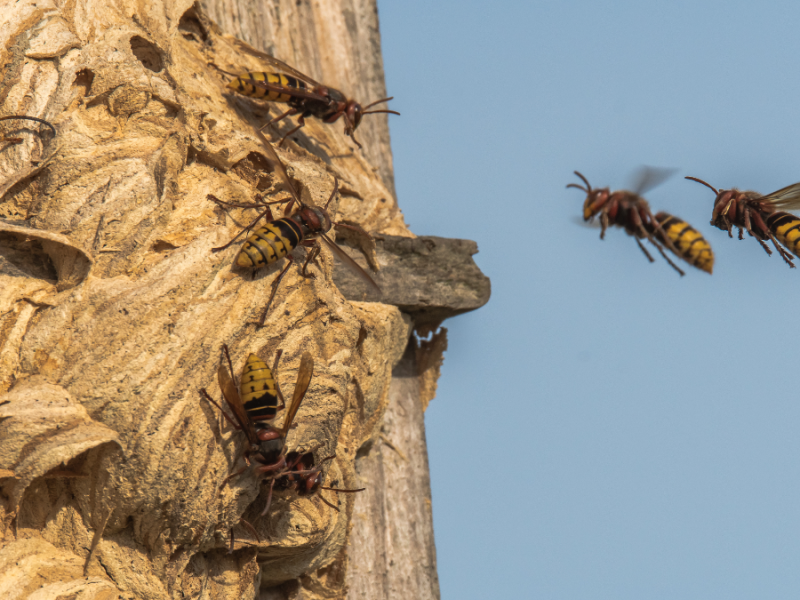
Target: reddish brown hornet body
{"points": [[760, 216], [305, 478], [305, 97], [266, 442], [632, 212], [278, 238]]}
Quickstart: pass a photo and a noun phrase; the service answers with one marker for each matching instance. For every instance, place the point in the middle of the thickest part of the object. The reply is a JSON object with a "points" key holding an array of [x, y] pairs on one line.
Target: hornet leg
{"points": [[660, 230], [312, 255], [288, 113], [604, 225], [301, 122], [666, 258], [269, 498], [784, 255], [643, 249], [275, 284]]}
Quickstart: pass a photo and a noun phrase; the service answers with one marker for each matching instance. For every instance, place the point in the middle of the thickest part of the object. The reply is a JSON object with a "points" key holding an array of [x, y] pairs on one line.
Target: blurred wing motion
{"points": [[592, 224], [646, 178], [350, 263], [787, 198], [304, 375]]}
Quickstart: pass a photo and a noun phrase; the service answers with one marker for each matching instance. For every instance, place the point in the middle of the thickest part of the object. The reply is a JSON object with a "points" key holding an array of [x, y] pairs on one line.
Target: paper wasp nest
{"points": [[113, 310]]}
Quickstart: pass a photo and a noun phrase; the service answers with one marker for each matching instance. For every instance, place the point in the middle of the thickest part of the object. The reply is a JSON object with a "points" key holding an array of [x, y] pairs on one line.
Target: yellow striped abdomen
{"points": [[786, 228], [691, 245], [257, 389], [248, 85], [269, 243]]}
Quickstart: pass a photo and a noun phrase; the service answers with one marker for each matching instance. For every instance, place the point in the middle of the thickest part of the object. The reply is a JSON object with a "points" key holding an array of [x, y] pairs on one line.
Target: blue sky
{"points": [[605, 428]]}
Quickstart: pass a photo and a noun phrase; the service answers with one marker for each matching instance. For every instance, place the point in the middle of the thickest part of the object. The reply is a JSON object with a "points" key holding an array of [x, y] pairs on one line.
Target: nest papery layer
{"points": [[114, 308]]}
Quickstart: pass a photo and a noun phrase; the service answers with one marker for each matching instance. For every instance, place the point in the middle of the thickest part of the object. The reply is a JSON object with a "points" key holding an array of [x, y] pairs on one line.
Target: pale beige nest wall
{"points": [[113, 310]]}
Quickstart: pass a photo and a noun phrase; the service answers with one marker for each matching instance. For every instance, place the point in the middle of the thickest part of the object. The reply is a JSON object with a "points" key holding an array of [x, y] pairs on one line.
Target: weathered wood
{"points": [[429, 278], [391, 548]]}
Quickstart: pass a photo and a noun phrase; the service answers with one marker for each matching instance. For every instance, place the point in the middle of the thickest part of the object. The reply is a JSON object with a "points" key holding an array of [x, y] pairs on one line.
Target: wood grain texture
{"points": [[391, 548]]}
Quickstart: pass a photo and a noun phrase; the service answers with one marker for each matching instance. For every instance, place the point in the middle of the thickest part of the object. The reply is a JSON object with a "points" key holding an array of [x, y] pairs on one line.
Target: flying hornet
{"points": [[279, 237], [630, 211], [761, 216], [304, 96], [265, 442]]}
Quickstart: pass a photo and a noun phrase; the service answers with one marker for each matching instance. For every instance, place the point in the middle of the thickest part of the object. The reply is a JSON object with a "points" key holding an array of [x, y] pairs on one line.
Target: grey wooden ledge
{"points": [[430, 278]]}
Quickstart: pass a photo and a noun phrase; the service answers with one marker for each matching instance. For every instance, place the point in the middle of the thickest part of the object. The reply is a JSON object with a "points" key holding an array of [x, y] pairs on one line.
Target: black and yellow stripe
{"points": [[269, 243], [257, 390], [692, 246], [247, 85], [786, 228]]}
